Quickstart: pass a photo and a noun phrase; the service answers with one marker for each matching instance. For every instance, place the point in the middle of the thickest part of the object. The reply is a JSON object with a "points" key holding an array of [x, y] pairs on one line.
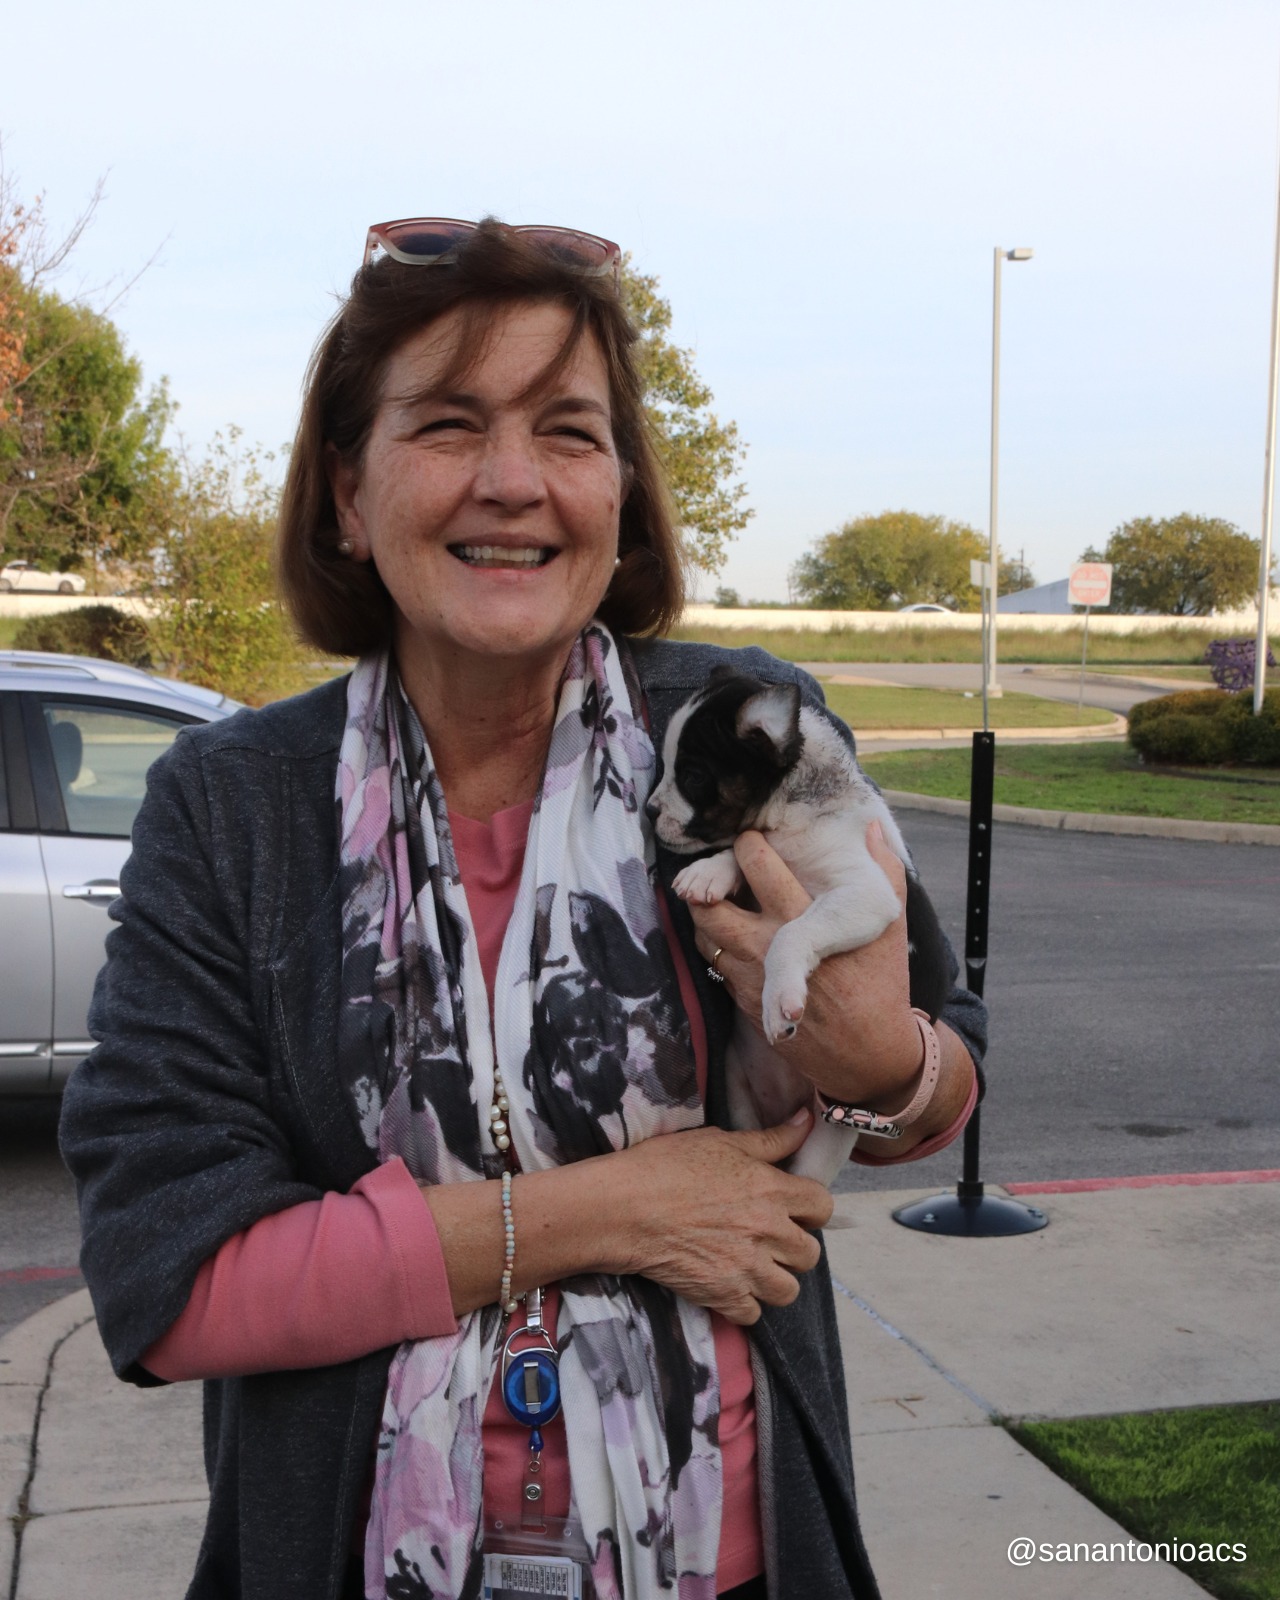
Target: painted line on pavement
{"points": [[37, 1274], [1155, 1180]]}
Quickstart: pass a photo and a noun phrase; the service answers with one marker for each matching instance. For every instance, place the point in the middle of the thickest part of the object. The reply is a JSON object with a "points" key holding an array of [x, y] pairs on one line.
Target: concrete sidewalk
{"points": [[1132, 1298]]}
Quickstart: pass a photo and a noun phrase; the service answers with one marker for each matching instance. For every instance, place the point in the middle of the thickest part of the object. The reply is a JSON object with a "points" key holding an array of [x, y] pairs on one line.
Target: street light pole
{"points": [[1269, 488], [990, 685]]}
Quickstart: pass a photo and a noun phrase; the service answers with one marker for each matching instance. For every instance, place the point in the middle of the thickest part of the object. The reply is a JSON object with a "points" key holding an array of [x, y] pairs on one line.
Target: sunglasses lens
{"points": [[423, 238], [574, 249]]}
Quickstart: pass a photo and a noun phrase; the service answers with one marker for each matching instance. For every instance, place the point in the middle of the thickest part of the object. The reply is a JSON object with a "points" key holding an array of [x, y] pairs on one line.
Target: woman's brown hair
{"points": [[341, 605]]}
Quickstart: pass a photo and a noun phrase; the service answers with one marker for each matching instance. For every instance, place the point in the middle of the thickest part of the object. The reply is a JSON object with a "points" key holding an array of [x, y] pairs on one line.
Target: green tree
{"points": [[216, 617], [79, 462], [895, 559], [701, 454], [1180, 566], [1014, 576], [80, 446]]}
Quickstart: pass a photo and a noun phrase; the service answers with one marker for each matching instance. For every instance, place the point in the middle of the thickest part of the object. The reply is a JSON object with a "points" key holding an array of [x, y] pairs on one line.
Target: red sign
{"points": [[1090, 583]]}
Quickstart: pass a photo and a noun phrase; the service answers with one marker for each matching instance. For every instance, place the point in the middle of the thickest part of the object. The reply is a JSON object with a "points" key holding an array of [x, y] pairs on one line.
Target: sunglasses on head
{"points": [[434, 241]]}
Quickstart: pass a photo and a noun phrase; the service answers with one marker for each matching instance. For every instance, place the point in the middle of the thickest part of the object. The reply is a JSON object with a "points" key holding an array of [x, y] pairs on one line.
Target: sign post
{"points": [[1089, 585]]}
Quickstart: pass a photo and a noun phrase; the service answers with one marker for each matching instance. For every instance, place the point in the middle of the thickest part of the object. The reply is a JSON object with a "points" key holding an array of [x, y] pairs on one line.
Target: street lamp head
{"points": [[1022, 253]]}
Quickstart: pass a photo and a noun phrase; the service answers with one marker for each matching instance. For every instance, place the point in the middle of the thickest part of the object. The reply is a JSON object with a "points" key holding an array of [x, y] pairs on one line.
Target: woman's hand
{"points": [[857, 1039], [706, 1213], [714, 1219]]}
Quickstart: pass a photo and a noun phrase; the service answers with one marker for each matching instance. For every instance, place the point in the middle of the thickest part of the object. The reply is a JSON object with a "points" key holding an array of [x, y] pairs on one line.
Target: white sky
{"points": [[819, 187]]}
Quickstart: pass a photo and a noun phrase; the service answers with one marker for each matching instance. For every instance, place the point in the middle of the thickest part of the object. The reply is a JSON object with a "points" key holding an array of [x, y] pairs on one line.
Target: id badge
{"points": [[550, 1563]]}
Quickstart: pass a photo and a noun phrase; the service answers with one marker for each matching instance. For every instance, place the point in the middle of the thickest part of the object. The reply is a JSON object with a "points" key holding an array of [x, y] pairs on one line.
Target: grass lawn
{"points": [[8, 628], [891, 707], [1096, 777], [1206, 1475], [1183, 674], [1170, 646]]}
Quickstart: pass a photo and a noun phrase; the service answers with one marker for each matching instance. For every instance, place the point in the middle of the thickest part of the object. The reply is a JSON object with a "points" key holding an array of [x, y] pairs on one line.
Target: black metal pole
{"points": [[982, 788], [970, 1211]]}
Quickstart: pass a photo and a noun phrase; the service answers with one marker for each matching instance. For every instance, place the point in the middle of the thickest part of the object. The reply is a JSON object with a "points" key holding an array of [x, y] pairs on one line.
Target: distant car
{"points": [[76, 739], [20, 577], [927, 606]]}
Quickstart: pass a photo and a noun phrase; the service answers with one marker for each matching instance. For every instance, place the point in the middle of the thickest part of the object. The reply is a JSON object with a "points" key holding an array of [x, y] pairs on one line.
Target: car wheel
{"points": [[65, 588]]}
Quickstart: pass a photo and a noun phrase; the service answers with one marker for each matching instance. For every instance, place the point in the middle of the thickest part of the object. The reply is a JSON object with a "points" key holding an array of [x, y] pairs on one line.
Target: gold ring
{"points": [[713, 971]]}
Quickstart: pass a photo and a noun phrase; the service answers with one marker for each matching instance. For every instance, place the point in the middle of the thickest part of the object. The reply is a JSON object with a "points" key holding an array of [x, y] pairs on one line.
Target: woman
{"points": [[401, 1021]]}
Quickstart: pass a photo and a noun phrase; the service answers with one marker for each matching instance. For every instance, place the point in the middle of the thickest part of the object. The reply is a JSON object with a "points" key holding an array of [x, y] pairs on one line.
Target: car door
{"points": [[89, 760], [26, 930]]}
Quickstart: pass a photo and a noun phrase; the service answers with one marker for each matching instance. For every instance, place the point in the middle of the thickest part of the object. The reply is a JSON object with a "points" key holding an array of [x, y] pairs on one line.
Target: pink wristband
{"points": [[850, 1116]]}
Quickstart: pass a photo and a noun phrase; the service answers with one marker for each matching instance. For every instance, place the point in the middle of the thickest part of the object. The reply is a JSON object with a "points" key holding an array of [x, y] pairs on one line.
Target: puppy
{"points": [[745, 754]]}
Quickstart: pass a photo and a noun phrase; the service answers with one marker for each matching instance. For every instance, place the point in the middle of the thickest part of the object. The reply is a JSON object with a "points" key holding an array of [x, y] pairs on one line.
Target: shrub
{"points": [[104, 632], [1204, 727]]}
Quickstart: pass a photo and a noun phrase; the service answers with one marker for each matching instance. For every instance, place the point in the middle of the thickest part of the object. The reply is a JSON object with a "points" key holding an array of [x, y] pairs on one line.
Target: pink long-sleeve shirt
{"points": [[328, 1280]]}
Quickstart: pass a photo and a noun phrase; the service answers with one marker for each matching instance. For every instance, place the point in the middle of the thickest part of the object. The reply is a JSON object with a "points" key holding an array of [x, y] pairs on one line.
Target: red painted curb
{"points": [[1155, 1180], [36, 1274]]}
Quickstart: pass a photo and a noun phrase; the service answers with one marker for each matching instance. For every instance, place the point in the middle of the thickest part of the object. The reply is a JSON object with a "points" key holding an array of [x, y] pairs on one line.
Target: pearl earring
{"points": [[346, 546]]}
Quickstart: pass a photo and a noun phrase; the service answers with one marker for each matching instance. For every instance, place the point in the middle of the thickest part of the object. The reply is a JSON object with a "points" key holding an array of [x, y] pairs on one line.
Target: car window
{"points": [[101, 756]]}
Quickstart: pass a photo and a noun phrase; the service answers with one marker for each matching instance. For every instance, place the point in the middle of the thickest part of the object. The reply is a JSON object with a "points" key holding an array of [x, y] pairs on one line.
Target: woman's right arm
{"points": [[331, 1280]]}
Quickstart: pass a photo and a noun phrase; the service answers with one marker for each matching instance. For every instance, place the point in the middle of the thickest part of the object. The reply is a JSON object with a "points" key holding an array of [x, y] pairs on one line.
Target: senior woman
{"points": [[407, 1053]]}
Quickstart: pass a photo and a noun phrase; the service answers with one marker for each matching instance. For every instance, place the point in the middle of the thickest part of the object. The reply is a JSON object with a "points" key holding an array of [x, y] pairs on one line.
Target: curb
{"points": [[1117, 728], [24, 1372], [1097, 821]]}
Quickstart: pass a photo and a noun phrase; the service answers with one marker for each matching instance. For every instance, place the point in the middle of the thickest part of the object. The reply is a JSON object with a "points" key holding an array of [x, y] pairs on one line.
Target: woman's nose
{"points": [[509, 473]]}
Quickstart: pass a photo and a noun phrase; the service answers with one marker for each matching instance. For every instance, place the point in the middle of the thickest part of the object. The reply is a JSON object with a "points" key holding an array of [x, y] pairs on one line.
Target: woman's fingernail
{"points": [[875, 831], [800, 1116]]}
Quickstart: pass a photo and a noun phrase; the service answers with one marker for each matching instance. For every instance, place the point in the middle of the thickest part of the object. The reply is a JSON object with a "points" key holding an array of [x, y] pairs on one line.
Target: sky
{"points": [[819, 187]]}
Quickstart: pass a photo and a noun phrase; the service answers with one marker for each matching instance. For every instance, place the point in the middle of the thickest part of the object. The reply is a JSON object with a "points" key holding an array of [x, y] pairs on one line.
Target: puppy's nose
{"points": [[652, 809]]}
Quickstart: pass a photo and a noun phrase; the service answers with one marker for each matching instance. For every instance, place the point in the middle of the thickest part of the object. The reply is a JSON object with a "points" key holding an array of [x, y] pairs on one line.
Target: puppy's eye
{"points": [[696, 782]]}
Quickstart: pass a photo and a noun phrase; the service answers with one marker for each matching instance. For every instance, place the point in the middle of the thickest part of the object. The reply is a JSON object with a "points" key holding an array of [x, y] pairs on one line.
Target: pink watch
{"points": [[843, 1115]]}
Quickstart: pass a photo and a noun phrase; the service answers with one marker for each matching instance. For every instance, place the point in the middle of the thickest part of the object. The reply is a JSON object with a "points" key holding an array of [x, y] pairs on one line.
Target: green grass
{"points": [[1105, 777], [1169, 646], [8, 631], [1183, 674], [865, 709], [1205, 1475]]}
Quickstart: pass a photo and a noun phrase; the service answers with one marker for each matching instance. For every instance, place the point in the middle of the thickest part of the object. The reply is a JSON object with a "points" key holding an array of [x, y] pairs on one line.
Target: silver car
{"points": [[76, 739]]}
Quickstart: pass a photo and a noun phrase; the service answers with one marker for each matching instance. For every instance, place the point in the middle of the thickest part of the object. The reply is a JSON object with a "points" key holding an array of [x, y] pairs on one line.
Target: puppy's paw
{"points": [[709, 881], [782, 1006]]}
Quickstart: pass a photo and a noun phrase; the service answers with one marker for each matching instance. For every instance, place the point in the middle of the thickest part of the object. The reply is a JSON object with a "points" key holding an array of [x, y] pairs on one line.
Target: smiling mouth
{"points": [[520, 558]]}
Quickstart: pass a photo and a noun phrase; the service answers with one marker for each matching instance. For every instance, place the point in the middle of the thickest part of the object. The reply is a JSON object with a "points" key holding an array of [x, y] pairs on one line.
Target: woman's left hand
{"points": [[857, 1040]]}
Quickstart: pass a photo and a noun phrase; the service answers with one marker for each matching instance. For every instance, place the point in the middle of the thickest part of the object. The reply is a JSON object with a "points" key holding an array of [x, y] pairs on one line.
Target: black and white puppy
{"points": [[746, 754]]}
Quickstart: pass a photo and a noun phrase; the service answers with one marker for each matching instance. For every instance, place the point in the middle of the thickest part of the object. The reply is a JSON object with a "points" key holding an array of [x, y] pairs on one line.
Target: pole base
{"points": [[980, 1216]]}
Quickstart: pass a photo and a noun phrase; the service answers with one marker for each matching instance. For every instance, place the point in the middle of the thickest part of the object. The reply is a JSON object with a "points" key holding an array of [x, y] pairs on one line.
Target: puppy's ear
{"points": [[724, 673], [770, 721]]}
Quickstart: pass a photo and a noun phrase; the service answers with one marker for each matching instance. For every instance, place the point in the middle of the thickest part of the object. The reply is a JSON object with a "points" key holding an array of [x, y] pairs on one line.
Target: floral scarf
{"points": [[593, 1045]]}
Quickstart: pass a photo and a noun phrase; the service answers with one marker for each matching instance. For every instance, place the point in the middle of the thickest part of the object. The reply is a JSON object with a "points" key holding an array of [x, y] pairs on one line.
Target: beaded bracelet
{"points": [[509, 1247]]}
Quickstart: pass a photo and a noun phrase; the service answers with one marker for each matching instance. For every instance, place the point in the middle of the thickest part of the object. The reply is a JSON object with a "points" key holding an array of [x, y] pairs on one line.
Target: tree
{"points": [[1182, 566], [80, 446], [216, 618], [701, 454], [1014, 576], [895, 559]]}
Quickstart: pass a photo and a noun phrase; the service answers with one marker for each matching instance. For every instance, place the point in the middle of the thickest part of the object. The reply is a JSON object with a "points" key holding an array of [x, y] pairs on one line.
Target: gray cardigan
{"points": [[211, 1101]]}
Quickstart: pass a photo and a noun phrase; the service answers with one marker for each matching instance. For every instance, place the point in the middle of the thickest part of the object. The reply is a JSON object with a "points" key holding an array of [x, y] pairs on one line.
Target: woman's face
{"points": [[491, 515]]}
